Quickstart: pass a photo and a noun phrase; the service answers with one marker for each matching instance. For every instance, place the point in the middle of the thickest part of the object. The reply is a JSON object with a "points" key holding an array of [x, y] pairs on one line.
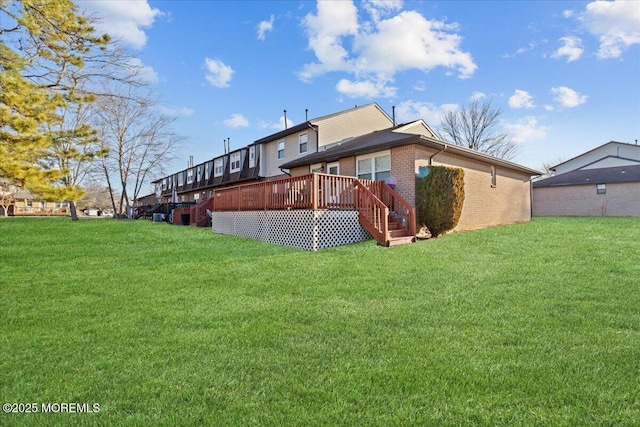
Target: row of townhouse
{"points": [[362, 146], [263, 158]]}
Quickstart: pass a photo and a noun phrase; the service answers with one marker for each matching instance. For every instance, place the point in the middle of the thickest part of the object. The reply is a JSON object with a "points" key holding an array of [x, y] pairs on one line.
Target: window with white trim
{"points": [[180, 179], [207, 170], [198, 173], [303, 143], [376, 167], [280, 150], [235, 162], [190, 176], [601, 189], [252, 156], [218, 167], [165, 183]]}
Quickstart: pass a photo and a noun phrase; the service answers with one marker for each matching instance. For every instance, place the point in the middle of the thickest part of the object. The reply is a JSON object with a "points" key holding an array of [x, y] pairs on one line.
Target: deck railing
{"points": [[375, 200]]}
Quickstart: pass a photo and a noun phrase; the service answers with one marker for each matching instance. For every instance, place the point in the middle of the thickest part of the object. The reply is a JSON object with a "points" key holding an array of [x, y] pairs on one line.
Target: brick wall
{"points": [[622, 199], [348, 166], [484, 206]]}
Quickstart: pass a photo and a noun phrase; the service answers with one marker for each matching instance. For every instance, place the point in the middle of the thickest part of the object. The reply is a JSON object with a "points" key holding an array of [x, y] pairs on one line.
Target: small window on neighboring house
{"points": [[218, 168], [601, 188], [493, 176], [280, 150], [252, 156], [303, 143], [196, 197], [235, 162], [198, 173], [164, 184], [210, 193], [190, 176], [207, 170], [180, 179]]}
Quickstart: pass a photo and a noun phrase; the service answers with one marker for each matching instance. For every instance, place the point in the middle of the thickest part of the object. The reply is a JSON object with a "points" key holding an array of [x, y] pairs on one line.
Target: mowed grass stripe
{"points": [[531, 324]]}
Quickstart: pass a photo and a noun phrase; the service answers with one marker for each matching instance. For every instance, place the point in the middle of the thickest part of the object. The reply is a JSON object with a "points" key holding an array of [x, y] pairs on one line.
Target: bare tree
{"points": [[8, 193], [140, 141], [476, 127]]}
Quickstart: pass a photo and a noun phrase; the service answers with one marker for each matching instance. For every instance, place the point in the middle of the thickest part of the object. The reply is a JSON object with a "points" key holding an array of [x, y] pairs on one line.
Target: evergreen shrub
{"points": [[439, 199]]}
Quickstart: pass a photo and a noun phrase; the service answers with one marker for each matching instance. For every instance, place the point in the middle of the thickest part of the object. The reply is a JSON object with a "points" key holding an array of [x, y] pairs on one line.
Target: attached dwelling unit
{"points": [[604, 181], [344, 178], [497, 191], [15, 201]]}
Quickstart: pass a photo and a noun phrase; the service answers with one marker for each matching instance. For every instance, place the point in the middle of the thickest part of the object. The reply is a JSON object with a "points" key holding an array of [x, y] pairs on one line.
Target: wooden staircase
{"points": [[384, 214], [397, 234]]}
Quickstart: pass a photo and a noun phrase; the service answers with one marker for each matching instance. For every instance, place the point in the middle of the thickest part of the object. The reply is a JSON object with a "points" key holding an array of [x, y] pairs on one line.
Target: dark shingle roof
{"points": [[592, 176]]}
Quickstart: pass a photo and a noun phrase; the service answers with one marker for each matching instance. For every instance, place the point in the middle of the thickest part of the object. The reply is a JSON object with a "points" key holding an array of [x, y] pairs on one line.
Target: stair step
{"points": [[398, 232], [404, 240]]}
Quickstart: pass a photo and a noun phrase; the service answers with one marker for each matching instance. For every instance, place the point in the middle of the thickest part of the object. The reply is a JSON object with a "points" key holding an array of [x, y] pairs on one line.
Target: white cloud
{"points": [[375, 51], [264, 27], [218, 73], [413, 110], [146, 73], [124, 20], [568, 97], [236, 121], [476, 96], [572, 49], [521, 99], [615, 23], [379, 8], [567, 13], [525, 129], [365, 89]]}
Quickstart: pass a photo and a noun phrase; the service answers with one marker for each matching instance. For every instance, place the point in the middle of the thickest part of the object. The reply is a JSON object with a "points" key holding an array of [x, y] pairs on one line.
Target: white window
{"points": [[207, 170], [196, 197], [280, 150], [252, 156], [303, 143], [180, 179], [375, 167], [235, 162], [165, 183], [198, 173], [190, 176], [601, 189], [218, 168]]}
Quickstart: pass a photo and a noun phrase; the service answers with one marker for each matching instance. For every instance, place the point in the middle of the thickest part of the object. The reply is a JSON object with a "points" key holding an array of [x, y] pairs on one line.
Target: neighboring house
{"points": [[496, 191], [263, 158], [611, 154], [604, 181], [27, 204]]}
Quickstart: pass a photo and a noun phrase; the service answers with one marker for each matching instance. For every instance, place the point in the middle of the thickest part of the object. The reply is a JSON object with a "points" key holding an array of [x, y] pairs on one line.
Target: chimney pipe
{"points": [[306, 117], [190, 161], [285, 119], [393, 112]]}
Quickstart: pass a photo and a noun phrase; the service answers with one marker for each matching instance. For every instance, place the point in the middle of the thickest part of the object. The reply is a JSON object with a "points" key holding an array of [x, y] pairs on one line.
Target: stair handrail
{"points": [[372, 212], [399, 208]]}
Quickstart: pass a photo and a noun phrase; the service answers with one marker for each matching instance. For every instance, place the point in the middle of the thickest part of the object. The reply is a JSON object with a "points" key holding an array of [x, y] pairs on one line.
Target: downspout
{"points": [[531, 196], [284, 172], [444, 147]]}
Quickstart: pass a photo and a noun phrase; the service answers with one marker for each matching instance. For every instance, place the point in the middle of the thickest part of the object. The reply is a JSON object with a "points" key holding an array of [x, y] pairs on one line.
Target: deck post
{"points": [[314, 192]]}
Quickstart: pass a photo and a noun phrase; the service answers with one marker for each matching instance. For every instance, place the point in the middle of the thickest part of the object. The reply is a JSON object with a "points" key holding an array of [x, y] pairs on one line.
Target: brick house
{"points": [[604, 181]]}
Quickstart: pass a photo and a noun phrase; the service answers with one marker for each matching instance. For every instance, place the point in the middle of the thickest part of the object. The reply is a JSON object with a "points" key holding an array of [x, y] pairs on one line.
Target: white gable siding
{"points": [[615, 149], [610, 162], [417, 128], [269, 162]]}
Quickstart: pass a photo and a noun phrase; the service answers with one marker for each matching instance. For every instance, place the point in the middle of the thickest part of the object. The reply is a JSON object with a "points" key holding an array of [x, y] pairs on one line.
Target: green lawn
{"points": [[531, 324]]}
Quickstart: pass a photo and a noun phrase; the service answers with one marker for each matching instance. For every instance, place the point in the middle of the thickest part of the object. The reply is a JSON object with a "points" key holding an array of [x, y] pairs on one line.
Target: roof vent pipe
{"points": [[285, 119], [393, 112], [306, 117]]}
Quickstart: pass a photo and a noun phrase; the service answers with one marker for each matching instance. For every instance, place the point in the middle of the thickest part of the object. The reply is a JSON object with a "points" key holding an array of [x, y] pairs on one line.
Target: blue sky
{"points": [[565, 74]]}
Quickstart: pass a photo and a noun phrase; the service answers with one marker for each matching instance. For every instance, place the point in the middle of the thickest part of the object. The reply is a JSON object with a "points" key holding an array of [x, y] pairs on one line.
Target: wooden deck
{"points": [[382, 212]]}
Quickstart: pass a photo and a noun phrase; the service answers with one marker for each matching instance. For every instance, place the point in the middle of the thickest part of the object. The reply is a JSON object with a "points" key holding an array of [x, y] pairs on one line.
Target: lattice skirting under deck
{"points": [[304, 229]]}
